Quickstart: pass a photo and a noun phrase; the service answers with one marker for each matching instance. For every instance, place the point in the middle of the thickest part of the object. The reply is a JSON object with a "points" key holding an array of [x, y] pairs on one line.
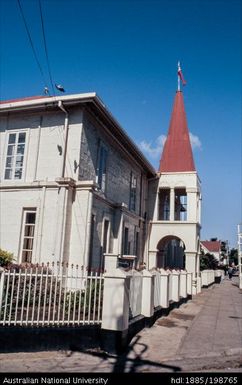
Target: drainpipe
{"points": [[40, 236], [66, 131], [38, 148]]}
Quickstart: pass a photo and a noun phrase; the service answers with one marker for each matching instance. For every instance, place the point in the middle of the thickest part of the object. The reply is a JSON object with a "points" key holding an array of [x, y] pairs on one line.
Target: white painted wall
{"points": [[64, 211], [188, 231]]}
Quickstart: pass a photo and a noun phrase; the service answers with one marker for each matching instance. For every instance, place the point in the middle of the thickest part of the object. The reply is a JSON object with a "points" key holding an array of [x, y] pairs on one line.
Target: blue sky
{"points": [[127, 52]]}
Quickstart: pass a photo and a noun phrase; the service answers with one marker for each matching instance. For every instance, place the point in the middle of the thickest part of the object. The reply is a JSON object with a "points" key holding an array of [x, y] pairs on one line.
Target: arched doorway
{"points": [[171, 253]]}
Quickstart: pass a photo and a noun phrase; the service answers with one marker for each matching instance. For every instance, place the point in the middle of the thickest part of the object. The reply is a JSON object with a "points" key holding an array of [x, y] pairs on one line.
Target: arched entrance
{"points": [[171, 253]]}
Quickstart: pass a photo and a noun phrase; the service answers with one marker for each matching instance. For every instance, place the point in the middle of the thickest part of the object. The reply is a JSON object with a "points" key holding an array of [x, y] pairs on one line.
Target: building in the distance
{"points": [[217, 248], [74, 186]]}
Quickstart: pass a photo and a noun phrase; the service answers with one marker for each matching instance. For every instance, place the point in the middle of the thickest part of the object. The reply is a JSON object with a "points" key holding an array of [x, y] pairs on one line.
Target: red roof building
{"points": [[177, 153], [23, 99], [211, 246]]}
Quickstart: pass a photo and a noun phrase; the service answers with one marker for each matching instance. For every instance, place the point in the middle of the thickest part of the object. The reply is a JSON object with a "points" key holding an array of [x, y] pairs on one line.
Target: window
{"points": [[136, 244], [126, 243], [91, 245], [164, 205], [133, 188], [15, 156], [180, 205], [102, 167], [28, 235], [106, 236]]}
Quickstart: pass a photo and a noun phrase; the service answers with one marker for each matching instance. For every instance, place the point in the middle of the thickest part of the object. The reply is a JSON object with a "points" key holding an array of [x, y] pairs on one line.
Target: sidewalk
{"points": [[202, 335]]}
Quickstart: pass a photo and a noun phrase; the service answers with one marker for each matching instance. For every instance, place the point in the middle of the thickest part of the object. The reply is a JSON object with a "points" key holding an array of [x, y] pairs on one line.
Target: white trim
{"points": [[48, 100]]}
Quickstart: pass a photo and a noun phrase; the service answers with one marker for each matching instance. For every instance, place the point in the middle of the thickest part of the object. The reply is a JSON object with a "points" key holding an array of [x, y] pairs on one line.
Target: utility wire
{"points": [[45, 45], [31, 43]]}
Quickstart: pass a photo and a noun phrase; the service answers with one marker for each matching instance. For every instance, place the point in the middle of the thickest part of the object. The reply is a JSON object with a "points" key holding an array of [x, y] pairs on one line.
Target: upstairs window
{"points": [[180, 205], [15, 156], [133, 190], [164, 205], [106, 236], [102, 168]]}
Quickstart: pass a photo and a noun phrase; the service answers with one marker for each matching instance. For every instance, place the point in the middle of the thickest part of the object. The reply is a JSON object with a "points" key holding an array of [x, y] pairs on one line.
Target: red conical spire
{"points": [[177, 153]]}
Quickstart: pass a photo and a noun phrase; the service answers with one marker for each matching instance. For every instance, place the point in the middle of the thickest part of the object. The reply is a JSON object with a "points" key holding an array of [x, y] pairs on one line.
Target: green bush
{"points": [[208, 261], [5, 257]]}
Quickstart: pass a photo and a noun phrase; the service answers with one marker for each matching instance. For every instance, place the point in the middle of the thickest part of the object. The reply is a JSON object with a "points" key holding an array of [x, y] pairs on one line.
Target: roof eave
{"points": [[77, 99]]}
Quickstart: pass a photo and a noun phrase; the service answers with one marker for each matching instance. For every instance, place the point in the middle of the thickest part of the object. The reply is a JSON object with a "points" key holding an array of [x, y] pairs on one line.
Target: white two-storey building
{"points": [[74, 186]]}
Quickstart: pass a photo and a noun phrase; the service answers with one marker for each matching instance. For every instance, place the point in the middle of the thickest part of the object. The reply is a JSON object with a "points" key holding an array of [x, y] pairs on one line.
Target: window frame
{"points": [[164, 204], [33, 238], [133, 191], [25, 154], [126, 240], [101, 169], [180, 204]]}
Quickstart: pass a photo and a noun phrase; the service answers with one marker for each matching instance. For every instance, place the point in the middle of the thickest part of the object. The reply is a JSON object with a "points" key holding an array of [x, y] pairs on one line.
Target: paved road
{"points": [[205, 334]]}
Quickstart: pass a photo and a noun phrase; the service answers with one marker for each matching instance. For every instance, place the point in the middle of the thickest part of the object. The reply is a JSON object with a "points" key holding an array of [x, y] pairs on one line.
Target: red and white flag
{"points": [[181, 75]]}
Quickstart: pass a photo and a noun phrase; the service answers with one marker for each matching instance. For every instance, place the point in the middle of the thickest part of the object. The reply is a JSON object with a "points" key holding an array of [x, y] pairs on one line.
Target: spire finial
{"points": [[178, 76]]}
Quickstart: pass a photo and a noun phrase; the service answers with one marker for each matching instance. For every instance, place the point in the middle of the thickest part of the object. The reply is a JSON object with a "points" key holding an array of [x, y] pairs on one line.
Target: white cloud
{"points": [[195, 141], [154, 148]]}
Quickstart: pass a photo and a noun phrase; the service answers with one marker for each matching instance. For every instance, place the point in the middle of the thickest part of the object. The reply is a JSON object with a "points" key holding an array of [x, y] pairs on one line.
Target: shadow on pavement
{"points": [[123, 363]]}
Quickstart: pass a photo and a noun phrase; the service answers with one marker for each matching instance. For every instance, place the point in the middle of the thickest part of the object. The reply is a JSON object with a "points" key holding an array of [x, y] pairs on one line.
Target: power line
{"points": [[31, 43], [45, 45]]}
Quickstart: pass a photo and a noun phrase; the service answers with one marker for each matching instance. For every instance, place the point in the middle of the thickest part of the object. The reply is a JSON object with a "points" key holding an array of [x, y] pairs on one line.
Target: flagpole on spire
{"points": [[178, 77]]}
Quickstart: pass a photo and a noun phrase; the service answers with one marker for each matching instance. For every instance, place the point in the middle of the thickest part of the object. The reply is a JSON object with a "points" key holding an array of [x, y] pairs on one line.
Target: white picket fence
{"points": [[52, 294], [67, 295]]}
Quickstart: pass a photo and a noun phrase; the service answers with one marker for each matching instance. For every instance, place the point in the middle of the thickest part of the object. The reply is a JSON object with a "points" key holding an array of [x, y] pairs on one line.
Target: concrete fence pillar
{"points": [[183, 284], [164, 288], [148, 287], [110, 262], [115, 312], [194, 284], [199, 284], [189, 283], [174, 286]]}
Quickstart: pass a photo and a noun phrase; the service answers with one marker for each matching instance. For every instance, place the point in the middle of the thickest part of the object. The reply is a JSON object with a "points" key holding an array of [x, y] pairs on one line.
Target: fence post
{"points": [[183, 284], [115, 311], [147, 307], [1, 287], [164, 288], [194, 284], [174, 286], [189, 284], [199, 287]]}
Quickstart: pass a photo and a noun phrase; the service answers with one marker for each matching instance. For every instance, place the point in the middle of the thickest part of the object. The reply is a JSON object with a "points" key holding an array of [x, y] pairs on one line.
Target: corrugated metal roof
{"points": [[177, 153], [23, 99]]}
